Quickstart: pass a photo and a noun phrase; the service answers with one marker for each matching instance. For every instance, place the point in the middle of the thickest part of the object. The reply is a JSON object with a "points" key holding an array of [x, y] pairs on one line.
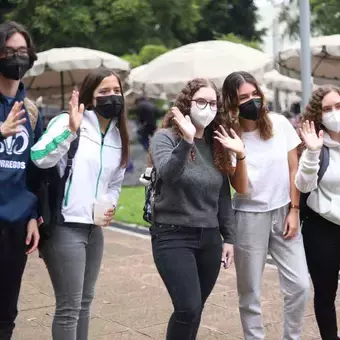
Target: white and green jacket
{"points": [[96, 165]]}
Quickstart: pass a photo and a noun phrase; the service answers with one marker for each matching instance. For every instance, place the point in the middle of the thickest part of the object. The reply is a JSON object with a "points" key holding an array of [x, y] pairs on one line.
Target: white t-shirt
{"points": [[268, 169]]}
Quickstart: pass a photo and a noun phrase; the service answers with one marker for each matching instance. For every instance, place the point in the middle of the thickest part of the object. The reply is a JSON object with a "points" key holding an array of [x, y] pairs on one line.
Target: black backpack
{"points": [[305, 211], [51, 194]]}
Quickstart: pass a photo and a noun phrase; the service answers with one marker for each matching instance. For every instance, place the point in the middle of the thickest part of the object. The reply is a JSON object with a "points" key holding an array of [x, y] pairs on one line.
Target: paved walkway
{"points": [[132, 304]]}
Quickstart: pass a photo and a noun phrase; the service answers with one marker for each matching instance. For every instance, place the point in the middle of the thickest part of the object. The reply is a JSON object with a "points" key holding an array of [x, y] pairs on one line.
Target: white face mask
{"points": [[202, 117], [331, 120]]}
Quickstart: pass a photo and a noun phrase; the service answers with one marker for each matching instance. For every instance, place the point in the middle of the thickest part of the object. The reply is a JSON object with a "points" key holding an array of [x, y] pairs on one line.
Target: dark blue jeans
{"points": [[12, 264], [188, 260]]}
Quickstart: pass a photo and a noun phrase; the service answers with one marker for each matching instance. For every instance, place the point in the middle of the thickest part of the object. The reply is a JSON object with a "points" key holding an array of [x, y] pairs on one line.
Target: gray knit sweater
{"points": [[192, 193]]}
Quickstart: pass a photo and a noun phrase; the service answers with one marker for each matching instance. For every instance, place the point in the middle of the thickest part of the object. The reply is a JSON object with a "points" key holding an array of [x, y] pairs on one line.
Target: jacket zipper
{"points": [[100, 169], [101, 157]]}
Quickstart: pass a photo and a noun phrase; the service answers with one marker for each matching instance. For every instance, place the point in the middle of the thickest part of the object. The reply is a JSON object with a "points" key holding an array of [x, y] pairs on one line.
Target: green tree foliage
{"points": [[146, 54], [221, 17], [150, 52], [124, 27], [235, 39], [325, 17], [5, 7], [133, 59]]}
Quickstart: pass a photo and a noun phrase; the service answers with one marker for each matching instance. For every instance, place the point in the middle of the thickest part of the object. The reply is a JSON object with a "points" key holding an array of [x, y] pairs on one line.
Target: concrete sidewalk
{"points": [[132, 304]]}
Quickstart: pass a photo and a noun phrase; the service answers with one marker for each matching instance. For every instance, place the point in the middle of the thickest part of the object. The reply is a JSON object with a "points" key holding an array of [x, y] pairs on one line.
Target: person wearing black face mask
{"points": [[251, 109], [110, 107], [267, 218], [20, 126], [73, 253], [15, 63]]}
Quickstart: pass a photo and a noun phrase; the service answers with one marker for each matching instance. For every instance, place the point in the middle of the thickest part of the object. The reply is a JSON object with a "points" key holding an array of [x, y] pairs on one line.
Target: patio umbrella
{"points": [[325, 52], [214, 60], [273, 79], [60, 70], [134, 72]]}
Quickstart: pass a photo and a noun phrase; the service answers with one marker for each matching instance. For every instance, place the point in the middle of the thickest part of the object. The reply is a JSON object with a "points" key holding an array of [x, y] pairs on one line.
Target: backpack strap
{"points": [[70, 155], [33, 112], [324, 162]]}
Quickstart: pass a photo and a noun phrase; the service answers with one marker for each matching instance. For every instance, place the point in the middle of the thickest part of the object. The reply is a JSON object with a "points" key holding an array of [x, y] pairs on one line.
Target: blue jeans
{"points": [[73, 257], [188, 260]]}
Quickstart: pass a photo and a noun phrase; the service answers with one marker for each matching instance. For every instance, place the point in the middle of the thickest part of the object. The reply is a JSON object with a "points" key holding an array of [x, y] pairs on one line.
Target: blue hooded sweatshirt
{"points": [[17, 203]]}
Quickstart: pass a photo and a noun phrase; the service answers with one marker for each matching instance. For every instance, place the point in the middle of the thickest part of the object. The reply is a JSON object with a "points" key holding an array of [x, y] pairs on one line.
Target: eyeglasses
{"points": [[21, 52], [201, 103]]}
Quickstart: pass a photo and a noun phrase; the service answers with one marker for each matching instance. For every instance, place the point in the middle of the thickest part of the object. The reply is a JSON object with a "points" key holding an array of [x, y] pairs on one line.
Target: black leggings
{"points": [[322, 245], [188, 261]]}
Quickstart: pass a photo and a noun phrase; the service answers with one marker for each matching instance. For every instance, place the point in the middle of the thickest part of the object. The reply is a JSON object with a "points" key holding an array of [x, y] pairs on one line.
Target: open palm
{"points": [[184, 124], [75, 112], [233, 143], [313, 141]]}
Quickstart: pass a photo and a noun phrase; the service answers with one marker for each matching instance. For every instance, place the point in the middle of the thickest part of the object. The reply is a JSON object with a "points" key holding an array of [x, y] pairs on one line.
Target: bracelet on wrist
{"points": [[294, 206], [241, 159]]}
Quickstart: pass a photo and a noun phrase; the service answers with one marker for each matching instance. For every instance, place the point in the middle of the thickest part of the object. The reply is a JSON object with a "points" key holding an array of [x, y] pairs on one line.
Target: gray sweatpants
{"points": [[73, 257], [258, 234]]}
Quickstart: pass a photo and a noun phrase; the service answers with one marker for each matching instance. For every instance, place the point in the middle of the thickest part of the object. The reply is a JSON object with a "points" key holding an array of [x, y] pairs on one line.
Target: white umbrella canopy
{"points": [[60, 70], [214, 60], [134, 72], [325, 52], [273, 79]]}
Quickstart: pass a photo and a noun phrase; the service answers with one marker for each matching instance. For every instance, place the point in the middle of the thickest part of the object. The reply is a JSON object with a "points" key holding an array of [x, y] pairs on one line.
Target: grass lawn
{"points": [[130, 206]]}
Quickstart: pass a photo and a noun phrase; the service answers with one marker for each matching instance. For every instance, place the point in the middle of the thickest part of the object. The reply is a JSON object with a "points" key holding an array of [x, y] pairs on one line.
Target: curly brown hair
{"points": [[313, 112], [231, 103], [221, 157]]}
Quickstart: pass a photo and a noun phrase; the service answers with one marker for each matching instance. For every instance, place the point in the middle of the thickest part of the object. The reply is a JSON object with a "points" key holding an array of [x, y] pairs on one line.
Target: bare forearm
{"points": [[293, 168], [294, 192], [239, 180]]}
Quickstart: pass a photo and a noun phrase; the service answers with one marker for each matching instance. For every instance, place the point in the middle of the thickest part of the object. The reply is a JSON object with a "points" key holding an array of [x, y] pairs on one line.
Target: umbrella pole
{"points": [[305, 58], [276, 37], [62, 89]]}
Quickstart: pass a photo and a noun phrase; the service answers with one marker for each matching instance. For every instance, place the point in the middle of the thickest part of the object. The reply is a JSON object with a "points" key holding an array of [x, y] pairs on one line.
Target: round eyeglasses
{"points": [[201, 103]]}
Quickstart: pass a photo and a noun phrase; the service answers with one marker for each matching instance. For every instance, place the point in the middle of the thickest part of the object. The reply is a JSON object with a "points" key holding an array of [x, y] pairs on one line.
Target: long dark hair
{"points": [[231, 103], [221, 158], [11, 27], [90, 83]]}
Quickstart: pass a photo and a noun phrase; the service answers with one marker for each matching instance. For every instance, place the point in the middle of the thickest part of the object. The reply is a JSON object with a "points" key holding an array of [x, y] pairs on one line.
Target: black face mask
{"points": [[251, 109], [110, 107], [15, 67]]}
